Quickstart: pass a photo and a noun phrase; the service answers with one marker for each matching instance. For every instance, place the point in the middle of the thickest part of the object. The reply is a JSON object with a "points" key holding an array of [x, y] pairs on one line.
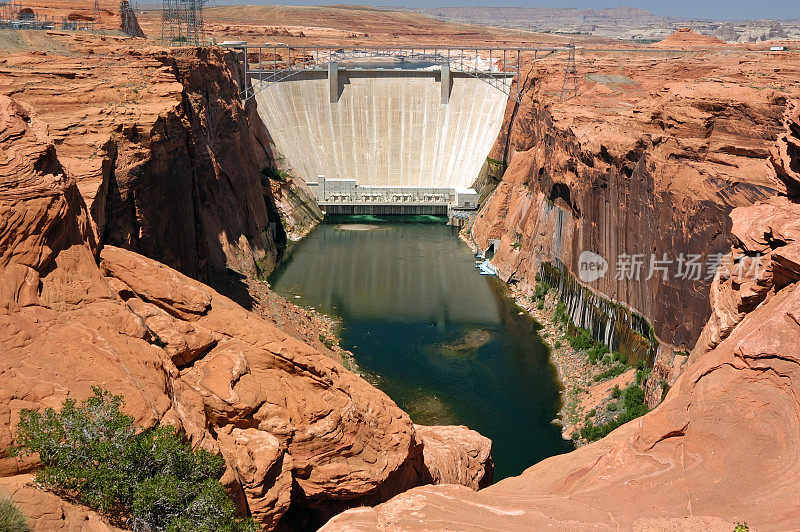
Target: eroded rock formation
{"points": [[46, 512], [456, 455], [302, 436], [649, 163]]}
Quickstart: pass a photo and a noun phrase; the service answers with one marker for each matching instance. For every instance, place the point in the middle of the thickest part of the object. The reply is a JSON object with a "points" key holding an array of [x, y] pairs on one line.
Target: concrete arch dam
{"points": [[400, 140]]}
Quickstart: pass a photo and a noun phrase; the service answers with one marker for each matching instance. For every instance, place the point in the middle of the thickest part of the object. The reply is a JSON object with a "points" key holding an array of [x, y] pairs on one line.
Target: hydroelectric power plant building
{"points": [[345, 196]]}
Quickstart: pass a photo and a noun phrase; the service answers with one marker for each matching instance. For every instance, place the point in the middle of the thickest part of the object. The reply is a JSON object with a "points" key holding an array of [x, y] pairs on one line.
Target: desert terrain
{"points": [[137, 225]]}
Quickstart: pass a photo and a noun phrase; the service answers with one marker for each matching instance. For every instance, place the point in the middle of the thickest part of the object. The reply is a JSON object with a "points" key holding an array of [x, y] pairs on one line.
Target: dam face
{"points": [[383, 136]]}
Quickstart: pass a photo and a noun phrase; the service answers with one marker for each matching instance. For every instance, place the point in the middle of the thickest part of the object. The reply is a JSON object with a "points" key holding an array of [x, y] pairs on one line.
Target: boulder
{"points": [[456, 455], [47, 512]]}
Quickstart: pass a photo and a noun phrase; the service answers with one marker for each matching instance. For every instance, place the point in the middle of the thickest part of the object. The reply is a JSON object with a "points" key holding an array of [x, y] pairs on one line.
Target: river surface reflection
{"points": [[448, 345]]}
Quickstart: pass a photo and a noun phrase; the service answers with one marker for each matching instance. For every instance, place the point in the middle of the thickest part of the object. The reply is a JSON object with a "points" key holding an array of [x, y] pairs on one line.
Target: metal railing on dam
{"points": [[275, 63]]}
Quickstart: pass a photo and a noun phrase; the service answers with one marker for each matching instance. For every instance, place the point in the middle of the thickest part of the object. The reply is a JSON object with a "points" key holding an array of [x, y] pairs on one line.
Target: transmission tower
{"points": [[96, 18], [570, 87], [182, 22], [127, 13]]}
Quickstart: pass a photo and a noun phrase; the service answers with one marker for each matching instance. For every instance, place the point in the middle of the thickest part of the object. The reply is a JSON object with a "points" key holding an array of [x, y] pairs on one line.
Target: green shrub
{"points": [[560, 315], [616, 356], [633, 400], [11, 519], [741, 527], [597, 352], [275, 174], [582, 339], [616, 392], [149, 479], [612, 406], [557, 344], [610, 373], [541, 290]]}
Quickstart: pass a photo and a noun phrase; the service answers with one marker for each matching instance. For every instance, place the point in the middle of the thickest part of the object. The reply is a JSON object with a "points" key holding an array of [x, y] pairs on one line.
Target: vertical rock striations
{"points": [[650, 166]]}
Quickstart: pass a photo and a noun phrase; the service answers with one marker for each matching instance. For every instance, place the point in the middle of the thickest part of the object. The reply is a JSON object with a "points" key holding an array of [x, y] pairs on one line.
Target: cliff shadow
{"points": [[232, 285]]}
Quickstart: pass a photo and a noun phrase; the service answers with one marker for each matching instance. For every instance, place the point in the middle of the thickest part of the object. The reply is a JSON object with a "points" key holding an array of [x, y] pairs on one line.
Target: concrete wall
{"points": [[387, 127]]}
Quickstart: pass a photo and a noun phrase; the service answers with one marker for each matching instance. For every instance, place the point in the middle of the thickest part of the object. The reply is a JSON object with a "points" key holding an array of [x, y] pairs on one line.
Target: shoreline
{"points": [[583, 398], [525, 303], [557, 355]]}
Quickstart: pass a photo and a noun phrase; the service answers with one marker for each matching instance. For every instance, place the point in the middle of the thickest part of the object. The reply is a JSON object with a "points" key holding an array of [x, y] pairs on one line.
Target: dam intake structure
{"points": [[384, 130]]}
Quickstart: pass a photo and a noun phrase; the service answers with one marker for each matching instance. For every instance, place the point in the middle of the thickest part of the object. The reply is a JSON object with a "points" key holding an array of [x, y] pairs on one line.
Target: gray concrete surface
{"points": [[387, 128]]}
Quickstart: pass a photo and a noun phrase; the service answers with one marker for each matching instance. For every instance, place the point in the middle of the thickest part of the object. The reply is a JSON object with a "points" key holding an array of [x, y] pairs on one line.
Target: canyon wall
{"points": [[166, 157], [650, 166], [302, 436]]}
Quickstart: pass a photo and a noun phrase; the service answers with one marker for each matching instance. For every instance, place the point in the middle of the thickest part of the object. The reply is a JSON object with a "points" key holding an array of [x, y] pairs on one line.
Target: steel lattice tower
{"points": [[570, 87], [182, 22], [127, 13], [97, 22]]}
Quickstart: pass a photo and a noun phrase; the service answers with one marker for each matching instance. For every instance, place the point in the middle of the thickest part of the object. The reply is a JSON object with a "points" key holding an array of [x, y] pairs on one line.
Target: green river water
{"points": [[448, 345]]}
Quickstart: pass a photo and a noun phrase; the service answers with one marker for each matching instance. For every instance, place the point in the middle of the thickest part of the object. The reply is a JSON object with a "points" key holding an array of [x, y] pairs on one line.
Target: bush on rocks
{"points": [[147, 479], [11, 519]]}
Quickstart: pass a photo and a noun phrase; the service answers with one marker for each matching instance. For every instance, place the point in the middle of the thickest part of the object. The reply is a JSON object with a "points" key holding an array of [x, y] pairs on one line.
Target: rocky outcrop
{"points": [[299, 210], [764, 259], [786, 152], [456, 455], [765, 254], [686, 38], [46, 512], [648, 166], [302, 436]]}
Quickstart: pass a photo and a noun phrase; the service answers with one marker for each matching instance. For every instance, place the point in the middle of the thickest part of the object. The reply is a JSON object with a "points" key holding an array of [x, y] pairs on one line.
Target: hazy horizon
{"points": [[691, 9]]}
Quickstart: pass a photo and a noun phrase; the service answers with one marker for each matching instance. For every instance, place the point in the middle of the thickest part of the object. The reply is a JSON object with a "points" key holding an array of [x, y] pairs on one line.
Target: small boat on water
{"points": [[484, 268]]}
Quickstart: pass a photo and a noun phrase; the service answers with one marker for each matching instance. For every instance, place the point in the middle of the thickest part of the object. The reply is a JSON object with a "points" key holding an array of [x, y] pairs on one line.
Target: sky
{"points": [[698, 9]]}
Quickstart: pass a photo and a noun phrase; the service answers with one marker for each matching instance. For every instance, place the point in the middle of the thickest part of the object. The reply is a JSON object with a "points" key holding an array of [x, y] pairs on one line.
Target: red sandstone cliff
{"points": [[721, 448], [163, 152], [651, 163], [175, 175]]}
